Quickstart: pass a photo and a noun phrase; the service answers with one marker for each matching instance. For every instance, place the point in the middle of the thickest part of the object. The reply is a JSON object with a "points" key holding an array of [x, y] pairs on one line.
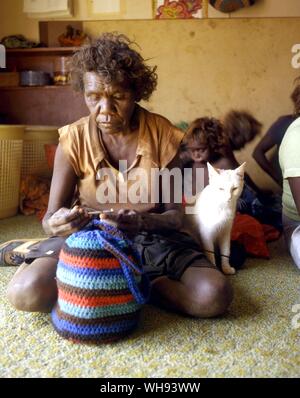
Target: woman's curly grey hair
{"points": [[111, 56]]}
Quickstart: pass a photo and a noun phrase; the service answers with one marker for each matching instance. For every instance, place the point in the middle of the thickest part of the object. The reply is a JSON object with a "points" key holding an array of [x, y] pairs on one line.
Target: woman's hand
{"points": [[128, 220], [133, 221], [66, 221]]}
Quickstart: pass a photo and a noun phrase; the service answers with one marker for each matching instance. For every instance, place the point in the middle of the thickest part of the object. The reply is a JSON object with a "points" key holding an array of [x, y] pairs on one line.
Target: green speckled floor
{"points": [[255, 338]]}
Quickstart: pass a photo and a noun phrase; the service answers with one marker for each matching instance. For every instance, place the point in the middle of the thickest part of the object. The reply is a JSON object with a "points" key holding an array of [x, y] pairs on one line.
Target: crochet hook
{"points": [[100, 211]]}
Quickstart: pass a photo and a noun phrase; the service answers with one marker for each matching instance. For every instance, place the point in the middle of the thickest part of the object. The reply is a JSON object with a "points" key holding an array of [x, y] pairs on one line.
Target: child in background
{"points": [[204, 142], [207, 140]]}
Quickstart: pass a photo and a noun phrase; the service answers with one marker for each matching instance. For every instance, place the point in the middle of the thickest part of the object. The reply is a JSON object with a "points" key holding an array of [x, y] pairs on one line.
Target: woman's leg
{"points": [[33, 287], [201, 292]]}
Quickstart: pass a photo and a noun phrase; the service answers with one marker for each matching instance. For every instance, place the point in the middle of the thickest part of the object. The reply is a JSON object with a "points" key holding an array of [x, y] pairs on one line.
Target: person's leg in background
{"points": [[295, 246], [291, 230]]}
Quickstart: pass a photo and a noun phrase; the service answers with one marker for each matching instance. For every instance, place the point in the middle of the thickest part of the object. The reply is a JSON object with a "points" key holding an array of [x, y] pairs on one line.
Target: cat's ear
{"points": [[240, 171], [211, 170]]}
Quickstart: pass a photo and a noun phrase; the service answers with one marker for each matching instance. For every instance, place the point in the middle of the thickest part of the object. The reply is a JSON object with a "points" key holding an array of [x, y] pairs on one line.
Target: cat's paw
{"points": [[228, 270]]}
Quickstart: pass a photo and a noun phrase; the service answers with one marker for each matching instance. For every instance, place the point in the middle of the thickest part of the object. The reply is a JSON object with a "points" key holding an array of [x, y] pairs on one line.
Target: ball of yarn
{"points": [[99, 286]]}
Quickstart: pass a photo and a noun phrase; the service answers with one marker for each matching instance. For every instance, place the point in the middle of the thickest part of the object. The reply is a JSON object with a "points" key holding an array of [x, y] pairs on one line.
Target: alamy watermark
{"points": [[137, 185], [2, 56], [296, 58]]}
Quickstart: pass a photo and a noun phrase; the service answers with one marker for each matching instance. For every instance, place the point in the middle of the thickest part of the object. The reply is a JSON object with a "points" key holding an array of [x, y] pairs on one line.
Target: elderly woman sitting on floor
{"points": [[97, 153]]}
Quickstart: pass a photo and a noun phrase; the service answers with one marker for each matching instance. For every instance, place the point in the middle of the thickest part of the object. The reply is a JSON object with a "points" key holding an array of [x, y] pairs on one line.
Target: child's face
{"points": [[198, 151]]}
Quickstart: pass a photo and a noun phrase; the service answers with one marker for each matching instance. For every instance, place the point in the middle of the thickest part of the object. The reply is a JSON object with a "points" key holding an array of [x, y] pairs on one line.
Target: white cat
{"points": [[215, 211]]}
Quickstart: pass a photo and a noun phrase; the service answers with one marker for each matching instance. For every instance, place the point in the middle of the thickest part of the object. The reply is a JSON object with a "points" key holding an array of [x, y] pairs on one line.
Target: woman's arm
{"points": [[294, 183], [59, 219]]}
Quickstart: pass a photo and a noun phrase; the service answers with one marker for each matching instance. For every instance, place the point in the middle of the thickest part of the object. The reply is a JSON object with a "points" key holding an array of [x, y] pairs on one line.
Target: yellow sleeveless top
{"points": [[100, 185]]}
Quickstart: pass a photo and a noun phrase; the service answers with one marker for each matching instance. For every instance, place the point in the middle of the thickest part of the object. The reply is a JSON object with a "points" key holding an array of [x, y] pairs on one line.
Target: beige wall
{"points": [[13, 20], [205, 67]]}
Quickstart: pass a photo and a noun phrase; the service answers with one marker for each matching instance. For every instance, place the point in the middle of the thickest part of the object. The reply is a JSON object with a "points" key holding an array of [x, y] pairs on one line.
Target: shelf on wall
{"points": [[40, 105], [51, 87], [51, 50]]}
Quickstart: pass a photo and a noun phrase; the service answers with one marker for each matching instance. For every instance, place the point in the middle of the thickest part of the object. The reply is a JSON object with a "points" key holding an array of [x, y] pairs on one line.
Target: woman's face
{"points": [[112, 103], [198, 151]]}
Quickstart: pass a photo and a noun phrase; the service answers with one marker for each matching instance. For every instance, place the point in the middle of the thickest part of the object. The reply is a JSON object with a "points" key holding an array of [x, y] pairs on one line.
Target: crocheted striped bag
{"points": [[101, 288]]}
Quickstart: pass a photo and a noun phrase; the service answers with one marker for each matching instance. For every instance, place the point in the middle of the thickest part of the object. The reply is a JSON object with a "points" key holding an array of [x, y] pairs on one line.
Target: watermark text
{"points": [[2, 56], [296, 58]]}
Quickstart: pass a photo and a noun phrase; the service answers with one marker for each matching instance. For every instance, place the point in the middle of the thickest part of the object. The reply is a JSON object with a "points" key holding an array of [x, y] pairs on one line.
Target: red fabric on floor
{"points": [[253, 235]]}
